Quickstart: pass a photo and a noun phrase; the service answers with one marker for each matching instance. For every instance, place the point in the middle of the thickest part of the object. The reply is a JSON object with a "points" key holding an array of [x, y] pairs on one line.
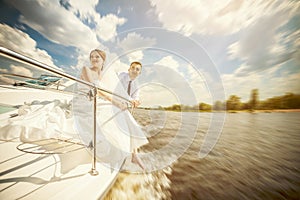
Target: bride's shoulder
{"points": [[85, 68]]}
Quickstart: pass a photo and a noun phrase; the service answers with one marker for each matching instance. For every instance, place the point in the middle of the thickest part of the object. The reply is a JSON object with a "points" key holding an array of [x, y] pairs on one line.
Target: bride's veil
{"points": [[110, 120], [111, 82]]}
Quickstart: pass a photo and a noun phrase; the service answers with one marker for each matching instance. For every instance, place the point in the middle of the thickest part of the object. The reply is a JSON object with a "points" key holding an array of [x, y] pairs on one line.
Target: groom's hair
{"points": [[136, 63]]}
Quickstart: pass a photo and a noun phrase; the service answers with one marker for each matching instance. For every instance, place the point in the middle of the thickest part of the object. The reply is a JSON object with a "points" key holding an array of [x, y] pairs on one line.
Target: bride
{"points": [[118, 134]]}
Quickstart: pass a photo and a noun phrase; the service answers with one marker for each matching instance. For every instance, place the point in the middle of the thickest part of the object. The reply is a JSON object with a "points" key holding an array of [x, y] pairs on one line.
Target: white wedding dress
{"points": [[118, 134], [117, 131], [39, 120]]}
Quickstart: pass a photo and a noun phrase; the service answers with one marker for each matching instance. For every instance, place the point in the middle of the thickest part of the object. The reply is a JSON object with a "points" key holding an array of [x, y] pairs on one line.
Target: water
{"points": [[257, 157]]}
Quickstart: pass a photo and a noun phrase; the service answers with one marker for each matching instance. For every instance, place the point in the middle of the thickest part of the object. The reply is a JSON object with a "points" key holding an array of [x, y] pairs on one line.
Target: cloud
{"points": [[69, 23], [119, 66], [240, 86], [85, 9], [271, 82], [56, 23], [135, 56], [185, 74], [197, 82], [263, 35], [215, 17], [22, 43], [168, 61], [155, 95], [135, 41], [168, 82], [107, 26], [262, 45]]}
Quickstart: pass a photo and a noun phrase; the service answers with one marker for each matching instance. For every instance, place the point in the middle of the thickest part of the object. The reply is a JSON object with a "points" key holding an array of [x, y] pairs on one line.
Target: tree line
{"points": [[233, 103]]}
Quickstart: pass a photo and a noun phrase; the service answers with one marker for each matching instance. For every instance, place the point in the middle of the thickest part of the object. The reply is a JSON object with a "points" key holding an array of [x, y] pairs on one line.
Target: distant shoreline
{"points": [[263, 111], [232, 111]]}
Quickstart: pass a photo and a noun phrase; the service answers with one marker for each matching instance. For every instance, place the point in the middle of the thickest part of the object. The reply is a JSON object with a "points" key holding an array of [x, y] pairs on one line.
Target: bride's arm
{"points": [[86, 75], [115, 102]]}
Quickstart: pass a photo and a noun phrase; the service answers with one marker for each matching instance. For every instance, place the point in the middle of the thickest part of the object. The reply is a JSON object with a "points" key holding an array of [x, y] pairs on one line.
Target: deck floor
{"points": [[50, 176]]}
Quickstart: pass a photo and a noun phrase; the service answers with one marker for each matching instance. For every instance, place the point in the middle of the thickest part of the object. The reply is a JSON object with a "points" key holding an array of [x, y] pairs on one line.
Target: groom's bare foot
{"points": [[136, 160]]}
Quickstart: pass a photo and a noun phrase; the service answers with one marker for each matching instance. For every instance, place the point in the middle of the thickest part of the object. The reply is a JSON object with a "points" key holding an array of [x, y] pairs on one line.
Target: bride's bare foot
{"points": [[136, 160]]}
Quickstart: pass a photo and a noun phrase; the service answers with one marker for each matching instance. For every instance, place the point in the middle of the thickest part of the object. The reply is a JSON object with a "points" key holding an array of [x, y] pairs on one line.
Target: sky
{"points": [[192, 51]]}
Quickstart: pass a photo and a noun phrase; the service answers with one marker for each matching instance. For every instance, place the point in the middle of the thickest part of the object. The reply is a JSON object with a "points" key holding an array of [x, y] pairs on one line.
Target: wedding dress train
{"points": [[118, 134]]}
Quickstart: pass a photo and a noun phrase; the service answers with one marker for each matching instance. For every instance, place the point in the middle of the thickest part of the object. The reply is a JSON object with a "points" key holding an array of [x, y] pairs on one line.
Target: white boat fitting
{"points": [[47, 168]]}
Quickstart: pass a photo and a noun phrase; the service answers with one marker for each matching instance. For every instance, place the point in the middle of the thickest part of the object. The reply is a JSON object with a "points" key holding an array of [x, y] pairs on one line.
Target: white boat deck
{"points": [[54, 176], [47, 176]]}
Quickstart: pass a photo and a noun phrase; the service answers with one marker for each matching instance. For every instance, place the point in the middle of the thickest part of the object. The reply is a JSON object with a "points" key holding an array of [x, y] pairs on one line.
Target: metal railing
{"points": [[24, 59]]}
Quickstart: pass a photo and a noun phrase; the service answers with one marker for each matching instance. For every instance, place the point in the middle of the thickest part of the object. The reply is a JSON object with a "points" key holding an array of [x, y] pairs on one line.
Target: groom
{"points": [[128, 80]]}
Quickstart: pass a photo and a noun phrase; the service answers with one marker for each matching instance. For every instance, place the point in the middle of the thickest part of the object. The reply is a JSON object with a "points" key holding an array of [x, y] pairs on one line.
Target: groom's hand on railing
{"points": [[135, 103]]}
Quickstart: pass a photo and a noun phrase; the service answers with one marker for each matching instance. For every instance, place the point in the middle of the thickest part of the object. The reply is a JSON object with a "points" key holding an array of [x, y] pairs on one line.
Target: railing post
{"points": [[21, 58], [93, 171]]}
